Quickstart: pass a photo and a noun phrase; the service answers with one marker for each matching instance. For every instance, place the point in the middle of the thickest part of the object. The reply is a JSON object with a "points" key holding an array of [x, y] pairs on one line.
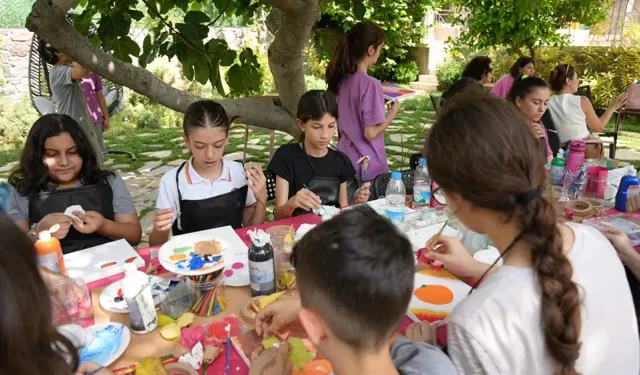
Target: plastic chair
{"points": [[552, 133], [271, 184], [380, 183]]}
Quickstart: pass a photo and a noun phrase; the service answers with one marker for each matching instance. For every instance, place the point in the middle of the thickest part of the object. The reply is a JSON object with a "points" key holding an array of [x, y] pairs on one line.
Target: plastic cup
{"points": [[71, 303]]}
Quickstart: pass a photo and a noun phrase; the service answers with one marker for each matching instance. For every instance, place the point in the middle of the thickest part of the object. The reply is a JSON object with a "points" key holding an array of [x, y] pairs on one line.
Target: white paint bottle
{"points": [[136, 290]]}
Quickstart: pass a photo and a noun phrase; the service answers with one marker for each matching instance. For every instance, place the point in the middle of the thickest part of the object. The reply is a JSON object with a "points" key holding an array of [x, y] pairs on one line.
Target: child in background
{"points": [[523, 65], [355, 276], [96, 103], [208, 191], [360, 98], [58, 169], [310, 173], [531, 96], [65, 78]]}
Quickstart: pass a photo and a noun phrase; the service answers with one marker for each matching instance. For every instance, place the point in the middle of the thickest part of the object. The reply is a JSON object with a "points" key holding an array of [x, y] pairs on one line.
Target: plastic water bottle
{"points": [[421, 185], [136, 291], [395, 196]]}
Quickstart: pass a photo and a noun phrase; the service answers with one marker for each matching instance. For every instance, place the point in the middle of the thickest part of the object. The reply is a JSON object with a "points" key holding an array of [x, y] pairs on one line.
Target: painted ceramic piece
{"points": [[105, 343], [436, 293], [194, 254], [111, 298]]}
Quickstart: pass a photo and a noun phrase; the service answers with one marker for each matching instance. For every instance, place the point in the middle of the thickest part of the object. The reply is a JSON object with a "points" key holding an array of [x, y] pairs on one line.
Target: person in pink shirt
{"points": [[97, 104], [523, 65], [360, 99], [531, 96]]}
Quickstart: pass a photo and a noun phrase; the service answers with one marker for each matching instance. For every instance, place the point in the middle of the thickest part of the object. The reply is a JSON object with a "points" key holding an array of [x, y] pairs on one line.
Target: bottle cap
{"points": [[45, 235], [396, 175], [422, 161], [559, 162], [129, 267]]}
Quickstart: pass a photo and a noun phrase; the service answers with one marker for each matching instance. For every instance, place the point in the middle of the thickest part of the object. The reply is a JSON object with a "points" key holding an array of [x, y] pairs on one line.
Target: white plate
{"points": [[109, 294], [189, 240], [95, 340]]}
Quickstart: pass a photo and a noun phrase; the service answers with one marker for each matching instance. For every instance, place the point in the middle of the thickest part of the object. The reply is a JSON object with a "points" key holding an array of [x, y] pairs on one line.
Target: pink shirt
{"points": [[502, 87], [361, 104], [90, 85]]}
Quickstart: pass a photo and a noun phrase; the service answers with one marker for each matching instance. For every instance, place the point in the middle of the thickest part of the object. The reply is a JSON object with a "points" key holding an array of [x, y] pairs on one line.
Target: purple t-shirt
{"points": [[90, 85], [361, 104]]}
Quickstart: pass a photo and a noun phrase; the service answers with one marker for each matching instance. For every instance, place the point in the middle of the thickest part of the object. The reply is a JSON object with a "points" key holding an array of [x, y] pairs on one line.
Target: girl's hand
{"points": [[272, 361], [257, 182], [306, 200], [394, 107], [619, 101], [91, 222], [50, 220], [633, 204], [106, 124], [362, 195], [450, 251], [163, 219], [277, 315], [423, 332], [536, 129], [622, 243]]}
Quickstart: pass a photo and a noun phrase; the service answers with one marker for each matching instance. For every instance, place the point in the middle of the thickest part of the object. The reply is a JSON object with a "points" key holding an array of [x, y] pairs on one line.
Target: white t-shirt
{"points": [[194, 187], [497, 329], [568, 117]]}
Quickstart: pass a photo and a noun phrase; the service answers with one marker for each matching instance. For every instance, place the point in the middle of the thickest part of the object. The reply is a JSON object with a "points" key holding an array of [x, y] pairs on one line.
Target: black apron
{"points": [[327, 188], [220, 211], [98, 197]]}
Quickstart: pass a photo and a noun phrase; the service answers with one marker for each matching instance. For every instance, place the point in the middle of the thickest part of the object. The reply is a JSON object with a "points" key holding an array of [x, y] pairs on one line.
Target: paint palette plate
{"points": [[176, 255], [111, 298], [105, 343], [436, 293]]}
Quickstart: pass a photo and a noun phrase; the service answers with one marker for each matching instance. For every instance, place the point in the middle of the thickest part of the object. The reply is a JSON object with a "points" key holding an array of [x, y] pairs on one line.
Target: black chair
{"points": [[353, 184], [271, 184], [436, 100], [414, 160], [552, 132], [380, 183]]}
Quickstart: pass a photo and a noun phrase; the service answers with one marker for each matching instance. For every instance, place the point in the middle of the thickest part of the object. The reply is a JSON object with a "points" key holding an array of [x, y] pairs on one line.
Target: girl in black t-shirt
{"points": [[310, 173]]}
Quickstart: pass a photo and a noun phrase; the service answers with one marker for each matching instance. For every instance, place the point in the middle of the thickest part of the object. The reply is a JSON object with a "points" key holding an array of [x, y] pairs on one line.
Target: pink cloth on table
{"points": [[502, 87]]}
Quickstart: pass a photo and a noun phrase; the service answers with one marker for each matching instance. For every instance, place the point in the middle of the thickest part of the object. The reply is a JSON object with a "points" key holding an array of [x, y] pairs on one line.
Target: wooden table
{"points": [[152, 344]]}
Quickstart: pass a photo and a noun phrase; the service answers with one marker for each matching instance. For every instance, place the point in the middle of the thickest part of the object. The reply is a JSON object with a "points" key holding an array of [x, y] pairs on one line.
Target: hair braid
{"points": [[560, 300]]}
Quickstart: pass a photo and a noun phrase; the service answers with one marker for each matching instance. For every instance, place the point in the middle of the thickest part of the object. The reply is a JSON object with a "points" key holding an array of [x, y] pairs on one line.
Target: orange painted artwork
{"points": [[436, 293]]}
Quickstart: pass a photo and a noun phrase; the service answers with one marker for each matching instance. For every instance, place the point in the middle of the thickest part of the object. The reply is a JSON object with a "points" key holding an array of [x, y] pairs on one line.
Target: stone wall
{"points": [[16, 43], [14, 57]]}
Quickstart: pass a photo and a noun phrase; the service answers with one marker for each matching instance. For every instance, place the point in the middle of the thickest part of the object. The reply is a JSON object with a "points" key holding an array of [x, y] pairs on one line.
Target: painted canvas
{"points": [[391, 91], [99, 262], [436, 292]]}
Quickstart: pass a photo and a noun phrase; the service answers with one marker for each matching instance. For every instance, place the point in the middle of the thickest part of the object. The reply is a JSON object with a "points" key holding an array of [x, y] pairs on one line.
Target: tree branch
{"points": [[50, 24], [285, 52]]}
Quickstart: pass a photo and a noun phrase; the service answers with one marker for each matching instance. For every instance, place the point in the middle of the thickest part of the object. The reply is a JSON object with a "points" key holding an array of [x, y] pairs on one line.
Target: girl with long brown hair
{"points": [[30, 342], [560, 303], [360, 98]]}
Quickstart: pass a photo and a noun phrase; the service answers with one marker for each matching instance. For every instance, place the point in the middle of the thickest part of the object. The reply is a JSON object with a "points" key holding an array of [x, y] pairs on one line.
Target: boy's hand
{"points": [[306, 200], [163, 219], [423, 332], [362, 195], [622, 243], [272, 361], [91, 222], [277, 315]]}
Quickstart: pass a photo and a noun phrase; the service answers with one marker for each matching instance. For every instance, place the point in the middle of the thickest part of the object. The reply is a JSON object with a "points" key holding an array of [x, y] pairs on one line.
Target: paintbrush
{"points": [[94, 371], [322, 208], [227, 359], [434, 240]]}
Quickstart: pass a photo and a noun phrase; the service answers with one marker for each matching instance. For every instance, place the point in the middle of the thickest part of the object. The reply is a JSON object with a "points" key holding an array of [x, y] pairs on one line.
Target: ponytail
{"points": [[560, 298], [558, 76], [351, 48]]}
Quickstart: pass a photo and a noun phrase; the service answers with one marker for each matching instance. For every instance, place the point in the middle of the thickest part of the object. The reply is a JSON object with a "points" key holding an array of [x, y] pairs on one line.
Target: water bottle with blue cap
{"points": [[4, 197], [395, 198]]}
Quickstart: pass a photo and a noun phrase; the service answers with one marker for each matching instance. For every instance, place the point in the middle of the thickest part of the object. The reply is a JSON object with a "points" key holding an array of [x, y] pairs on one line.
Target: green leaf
{"points": [[190, 32], [114, 25], [195, 17], [124, 47], [243, 78], [228, 57], [201, 67], [214, 73], [135, 14], [359, 9], [182, 4]]}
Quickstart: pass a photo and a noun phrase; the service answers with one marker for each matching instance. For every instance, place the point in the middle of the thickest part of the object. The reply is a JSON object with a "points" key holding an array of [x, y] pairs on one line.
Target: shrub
{"points": [[406, 72], [315, 83], [16, 119], [448, 73]]}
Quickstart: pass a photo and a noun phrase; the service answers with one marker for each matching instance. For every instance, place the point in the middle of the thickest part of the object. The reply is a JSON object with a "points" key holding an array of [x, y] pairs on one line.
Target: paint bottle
{"points": [[50, 251], [262, 272], [136, 290], [556, 175]]}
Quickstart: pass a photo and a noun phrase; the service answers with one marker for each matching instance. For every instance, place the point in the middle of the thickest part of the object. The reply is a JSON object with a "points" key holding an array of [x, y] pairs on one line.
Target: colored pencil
{"points": [[227, 359]]}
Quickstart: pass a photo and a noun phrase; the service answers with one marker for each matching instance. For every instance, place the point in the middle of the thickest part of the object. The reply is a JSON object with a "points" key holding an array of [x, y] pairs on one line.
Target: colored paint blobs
{"points": [[130, 260], [195, 263], [177, 257], [180, 250], [228, 273], [434, 294], [108, 264], [237, 265]]}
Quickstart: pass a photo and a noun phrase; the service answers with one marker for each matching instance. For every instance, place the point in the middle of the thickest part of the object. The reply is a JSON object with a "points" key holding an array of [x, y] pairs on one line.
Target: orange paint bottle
{"points": [[50, 252]]}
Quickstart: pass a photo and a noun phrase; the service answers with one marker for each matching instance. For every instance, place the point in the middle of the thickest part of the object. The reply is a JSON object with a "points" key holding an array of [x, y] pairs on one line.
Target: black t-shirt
{"points": [[291, 163]]}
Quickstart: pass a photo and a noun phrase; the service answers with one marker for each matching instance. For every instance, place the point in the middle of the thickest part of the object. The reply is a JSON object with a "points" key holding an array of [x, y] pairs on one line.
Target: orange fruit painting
{"points": [[434, 294]]}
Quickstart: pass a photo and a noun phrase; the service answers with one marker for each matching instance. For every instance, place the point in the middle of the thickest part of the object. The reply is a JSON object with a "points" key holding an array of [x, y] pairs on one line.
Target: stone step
{"points": [[427, 78], [428, 87]]}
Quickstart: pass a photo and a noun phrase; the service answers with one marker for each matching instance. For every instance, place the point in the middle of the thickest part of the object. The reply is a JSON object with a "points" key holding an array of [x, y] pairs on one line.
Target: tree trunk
{"points": [[532, 53], [285, 52], [50, 24]]}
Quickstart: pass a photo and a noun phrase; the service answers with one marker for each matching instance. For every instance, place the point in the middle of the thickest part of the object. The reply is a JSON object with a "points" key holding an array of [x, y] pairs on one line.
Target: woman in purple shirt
{"points": [[531, 96], [360, 100]]}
